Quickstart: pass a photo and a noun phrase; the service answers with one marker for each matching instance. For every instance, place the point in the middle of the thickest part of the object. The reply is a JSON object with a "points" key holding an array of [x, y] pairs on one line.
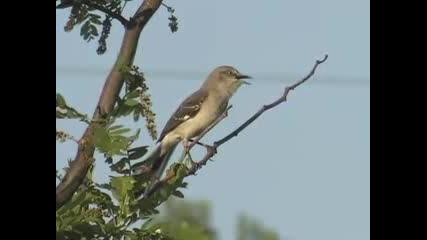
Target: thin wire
{"points": [[171, 75]]}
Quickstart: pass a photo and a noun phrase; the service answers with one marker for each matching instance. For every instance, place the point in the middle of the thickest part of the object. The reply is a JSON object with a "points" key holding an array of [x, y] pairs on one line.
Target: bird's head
{"points": [[229, 78]]}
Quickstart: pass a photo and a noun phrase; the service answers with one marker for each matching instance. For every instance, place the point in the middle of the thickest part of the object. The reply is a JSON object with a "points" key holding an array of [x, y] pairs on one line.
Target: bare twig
{"points": [[212, 150], [264, 108], [112, 87], [170, 9]]}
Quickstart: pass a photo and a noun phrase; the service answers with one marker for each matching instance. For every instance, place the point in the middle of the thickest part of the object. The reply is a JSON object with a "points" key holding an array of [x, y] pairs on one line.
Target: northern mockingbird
{"points": [[196, 113]]}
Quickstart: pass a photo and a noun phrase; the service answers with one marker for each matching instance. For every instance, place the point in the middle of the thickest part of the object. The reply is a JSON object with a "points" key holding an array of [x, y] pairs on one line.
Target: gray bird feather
{"points": [[188, 109]]}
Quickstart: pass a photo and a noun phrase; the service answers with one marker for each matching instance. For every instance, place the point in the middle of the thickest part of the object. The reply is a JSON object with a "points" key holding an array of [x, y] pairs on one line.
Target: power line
{"points": [[194, 75]]}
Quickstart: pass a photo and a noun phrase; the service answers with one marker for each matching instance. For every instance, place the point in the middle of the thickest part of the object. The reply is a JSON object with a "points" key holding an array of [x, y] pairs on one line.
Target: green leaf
{"points": [[133, 94], [75, 202], [179, 169], [164, 193], [60, 101], [109, 160], [136, 113], [115, 127], [85, 29], [147, 223], [65, 111], [93, 30], [122, 186], [112, 142], [89, 175], [102, 139], [123, 110], [86, 36], [131, 102], [142, 165], [118, 166], [62, 136], [96, 19], [93, 15], [103, 186], [119, 131], [138, 152], [135, 136], [178, 194]]}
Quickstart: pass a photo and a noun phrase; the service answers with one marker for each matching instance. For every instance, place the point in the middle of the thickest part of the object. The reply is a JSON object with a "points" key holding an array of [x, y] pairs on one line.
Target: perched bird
{"points": [[195, 114]]}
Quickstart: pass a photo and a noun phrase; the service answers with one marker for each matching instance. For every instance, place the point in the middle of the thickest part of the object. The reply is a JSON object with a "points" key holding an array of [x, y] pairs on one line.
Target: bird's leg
{"points": [[208, 147], [204, 145], [186, 145]]}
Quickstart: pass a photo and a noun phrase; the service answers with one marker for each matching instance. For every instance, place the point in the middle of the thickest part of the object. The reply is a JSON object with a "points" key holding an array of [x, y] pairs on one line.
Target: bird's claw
{"points": [[211, 149], [196, 165]]}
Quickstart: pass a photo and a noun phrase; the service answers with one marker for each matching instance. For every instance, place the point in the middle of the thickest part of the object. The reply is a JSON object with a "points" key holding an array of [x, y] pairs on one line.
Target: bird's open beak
{"points": [[242, 76]]}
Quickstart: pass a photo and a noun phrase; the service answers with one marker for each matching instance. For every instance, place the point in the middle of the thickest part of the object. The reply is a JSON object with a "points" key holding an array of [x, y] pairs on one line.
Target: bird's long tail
{"points": [[159, 160]]}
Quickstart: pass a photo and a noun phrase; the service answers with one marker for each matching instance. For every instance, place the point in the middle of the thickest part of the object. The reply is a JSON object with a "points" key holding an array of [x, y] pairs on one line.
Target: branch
{"points": [[109, 95], [117, 16], [110, 13], [212, 150]]}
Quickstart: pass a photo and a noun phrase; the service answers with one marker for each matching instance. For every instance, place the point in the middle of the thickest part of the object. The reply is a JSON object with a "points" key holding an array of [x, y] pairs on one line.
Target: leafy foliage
{"points": [[106, 28], [137, 100], [88, 14], [188, 219], [65, 111], [100, 211], [89, 29], [110, 140], [173, 21], [111, 209], [249, 228], [94, 214], [62, 136]]}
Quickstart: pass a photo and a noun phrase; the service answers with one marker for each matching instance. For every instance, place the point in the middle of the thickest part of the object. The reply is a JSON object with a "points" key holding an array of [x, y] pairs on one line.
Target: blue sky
{"points": [[303, 168]]}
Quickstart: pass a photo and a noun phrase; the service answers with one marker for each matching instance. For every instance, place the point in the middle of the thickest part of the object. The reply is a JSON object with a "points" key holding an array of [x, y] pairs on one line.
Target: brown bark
{"points": [[112, 87]]}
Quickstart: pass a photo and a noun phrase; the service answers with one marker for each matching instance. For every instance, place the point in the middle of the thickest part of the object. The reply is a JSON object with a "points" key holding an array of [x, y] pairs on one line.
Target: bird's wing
{"points": [[188, 109]]}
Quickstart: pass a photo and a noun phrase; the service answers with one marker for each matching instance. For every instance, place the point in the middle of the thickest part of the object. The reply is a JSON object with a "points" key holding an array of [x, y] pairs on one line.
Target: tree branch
{"points": [[212, 150], [110, 13], [112, 87], [264, 108], [117, 16]]}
